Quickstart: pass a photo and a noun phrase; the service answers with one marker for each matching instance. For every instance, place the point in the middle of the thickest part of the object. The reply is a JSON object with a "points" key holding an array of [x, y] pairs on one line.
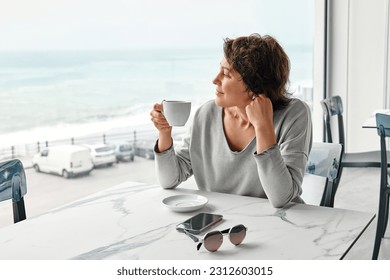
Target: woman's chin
{"points": [[218, 101]]}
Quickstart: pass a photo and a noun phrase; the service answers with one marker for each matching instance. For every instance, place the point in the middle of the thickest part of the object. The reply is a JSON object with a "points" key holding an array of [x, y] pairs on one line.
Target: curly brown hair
{"points": [[263, 66]]}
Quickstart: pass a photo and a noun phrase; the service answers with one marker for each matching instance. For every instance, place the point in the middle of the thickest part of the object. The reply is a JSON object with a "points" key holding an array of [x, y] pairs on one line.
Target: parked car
{"points": [[124, 151], [102, 154], [144, 149], [65, 160]]}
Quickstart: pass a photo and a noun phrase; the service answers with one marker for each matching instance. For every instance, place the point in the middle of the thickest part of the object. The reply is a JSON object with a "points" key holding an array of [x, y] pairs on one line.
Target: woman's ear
{"points": [[252, 95]]}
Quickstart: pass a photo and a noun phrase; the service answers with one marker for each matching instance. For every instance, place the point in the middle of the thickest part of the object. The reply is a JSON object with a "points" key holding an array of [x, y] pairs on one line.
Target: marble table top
{"points": [[370, 122], [129, 221]]}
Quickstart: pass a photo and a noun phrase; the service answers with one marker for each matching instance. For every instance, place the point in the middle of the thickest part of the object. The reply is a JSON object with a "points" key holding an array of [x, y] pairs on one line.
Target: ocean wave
{"points": [[135, 118], [69, 130]]}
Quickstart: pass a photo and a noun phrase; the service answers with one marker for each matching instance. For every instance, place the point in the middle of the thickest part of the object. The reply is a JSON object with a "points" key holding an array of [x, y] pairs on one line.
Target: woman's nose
{"points": [[216, 80]]}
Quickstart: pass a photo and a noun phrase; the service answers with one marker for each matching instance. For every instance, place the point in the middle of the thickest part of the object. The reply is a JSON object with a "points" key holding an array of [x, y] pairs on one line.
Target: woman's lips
{"points": [[218, 92]]}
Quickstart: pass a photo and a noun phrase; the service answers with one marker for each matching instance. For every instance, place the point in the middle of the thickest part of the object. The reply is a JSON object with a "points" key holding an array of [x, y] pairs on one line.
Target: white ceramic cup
{"points": [[176, 112]]}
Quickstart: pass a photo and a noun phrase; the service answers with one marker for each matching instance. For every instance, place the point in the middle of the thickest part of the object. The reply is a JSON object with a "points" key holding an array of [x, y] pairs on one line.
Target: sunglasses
{"points": [[213, 239]]}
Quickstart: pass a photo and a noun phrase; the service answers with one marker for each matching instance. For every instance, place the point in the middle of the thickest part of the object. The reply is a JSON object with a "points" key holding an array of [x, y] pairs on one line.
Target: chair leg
{"points": [[333, 193], [380, 225], [19, 210], [327, 197], [386, 213], [335, 187]]}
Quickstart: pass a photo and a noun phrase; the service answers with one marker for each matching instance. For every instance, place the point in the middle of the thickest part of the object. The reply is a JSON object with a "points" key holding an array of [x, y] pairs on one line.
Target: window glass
{"points": [[125, 148], [103, 149], [69, 69]]}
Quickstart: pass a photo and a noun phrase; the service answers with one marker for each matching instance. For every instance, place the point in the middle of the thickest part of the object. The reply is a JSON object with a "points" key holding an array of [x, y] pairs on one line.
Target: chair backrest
{"points": [[383, 128], [13, 186], [333, 106], [313, 188], [383, 124], [324, 160]]}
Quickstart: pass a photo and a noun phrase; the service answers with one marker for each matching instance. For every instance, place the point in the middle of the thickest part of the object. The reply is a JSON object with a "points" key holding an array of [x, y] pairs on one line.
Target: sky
{"points": [[128, 24]]}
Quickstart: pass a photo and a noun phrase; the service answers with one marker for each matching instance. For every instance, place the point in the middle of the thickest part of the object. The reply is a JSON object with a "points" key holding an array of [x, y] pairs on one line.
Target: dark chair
{"points": [[383, 125], [13, 186], [324, 161], [333, 106]]}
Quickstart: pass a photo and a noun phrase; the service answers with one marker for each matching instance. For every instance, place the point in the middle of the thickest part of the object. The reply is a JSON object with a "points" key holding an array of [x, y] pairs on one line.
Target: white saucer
{"points": [[185, 202]]}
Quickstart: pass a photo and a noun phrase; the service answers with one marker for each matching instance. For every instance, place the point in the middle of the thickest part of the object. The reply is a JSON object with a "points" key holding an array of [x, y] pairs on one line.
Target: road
{"points": [[47, 191]]}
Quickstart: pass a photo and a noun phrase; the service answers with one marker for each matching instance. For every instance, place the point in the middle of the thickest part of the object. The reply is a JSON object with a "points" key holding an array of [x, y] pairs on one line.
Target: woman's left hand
{"points": [[260, 112]]}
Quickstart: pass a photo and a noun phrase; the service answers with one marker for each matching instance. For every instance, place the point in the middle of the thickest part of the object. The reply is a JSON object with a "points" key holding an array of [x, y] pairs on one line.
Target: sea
{"points": [[49, 95]]}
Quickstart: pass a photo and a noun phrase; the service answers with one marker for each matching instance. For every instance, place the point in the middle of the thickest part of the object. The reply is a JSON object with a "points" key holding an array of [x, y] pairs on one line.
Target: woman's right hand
{"points": [[158, 119], [162, 125]]}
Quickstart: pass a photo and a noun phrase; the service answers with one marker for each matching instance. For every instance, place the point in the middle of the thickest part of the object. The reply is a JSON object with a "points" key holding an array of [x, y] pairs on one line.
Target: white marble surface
{"points": [[129, 221]]}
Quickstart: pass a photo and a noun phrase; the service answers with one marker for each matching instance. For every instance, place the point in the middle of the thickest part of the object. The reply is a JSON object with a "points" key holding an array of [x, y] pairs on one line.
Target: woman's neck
{"points": [[238, 115]]}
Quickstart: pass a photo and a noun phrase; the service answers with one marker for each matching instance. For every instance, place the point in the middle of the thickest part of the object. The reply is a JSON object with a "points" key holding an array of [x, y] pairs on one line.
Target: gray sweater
{"points": [[275, 174]]}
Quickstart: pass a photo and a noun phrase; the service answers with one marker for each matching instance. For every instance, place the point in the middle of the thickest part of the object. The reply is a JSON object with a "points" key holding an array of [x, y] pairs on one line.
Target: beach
{"points": [[47, 96]]}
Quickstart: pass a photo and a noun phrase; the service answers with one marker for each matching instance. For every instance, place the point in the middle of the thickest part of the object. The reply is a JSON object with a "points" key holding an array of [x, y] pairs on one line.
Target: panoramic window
{"points": [[70, 69]]}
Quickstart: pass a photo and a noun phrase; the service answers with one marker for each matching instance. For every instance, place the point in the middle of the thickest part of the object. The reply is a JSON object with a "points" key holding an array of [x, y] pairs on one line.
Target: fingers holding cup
{"points": [[158, 118]]}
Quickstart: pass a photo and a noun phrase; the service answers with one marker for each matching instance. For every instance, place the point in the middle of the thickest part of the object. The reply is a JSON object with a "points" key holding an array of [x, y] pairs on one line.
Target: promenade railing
{"points": [[29, 149]]}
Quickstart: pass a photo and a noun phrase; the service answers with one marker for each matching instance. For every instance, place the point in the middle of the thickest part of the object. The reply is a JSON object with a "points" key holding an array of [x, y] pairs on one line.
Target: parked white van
{"points": [[65, 160]]}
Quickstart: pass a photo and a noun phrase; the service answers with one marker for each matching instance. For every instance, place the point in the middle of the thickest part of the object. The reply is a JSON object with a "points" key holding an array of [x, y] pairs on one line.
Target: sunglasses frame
{"points": [[225, 232]]}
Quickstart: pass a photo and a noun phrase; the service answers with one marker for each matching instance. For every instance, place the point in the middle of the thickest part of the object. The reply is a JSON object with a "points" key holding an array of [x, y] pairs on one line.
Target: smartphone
{"points": [[199, 222]]}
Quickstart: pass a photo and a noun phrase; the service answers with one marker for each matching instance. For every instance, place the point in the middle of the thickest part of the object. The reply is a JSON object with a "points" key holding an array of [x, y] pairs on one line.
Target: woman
{"points": [[253, 139]]}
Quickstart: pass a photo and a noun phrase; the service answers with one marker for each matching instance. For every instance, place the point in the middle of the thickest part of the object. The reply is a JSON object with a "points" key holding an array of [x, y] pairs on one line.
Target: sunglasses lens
{"points": [[213, 240], [237, 234]]}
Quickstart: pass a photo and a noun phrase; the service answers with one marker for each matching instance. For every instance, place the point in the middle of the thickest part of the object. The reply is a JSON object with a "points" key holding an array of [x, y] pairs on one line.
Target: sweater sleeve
{"points": [[281, 167], [173, 167]]}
